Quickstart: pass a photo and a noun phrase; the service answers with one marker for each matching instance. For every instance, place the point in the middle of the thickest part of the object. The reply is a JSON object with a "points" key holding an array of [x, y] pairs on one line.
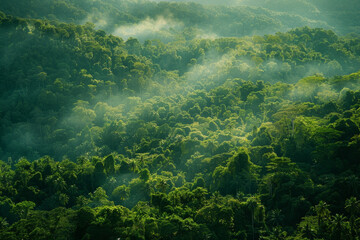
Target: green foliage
{"points": [[187, 137]]}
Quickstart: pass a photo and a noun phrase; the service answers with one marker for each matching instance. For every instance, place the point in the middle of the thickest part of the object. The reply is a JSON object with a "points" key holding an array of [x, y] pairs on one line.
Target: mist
{"points": [[124, 120], [207, 2], [158, 28], [179, 119]]}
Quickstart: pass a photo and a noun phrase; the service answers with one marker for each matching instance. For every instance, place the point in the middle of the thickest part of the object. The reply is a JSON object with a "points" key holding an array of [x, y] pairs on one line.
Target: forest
{"points": [[184, 119]]}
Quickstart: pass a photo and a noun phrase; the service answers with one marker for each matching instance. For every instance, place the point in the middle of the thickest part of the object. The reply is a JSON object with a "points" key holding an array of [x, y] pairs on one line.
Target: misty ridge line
{"points": [[111, 27], [130, 12], [312, 21]]}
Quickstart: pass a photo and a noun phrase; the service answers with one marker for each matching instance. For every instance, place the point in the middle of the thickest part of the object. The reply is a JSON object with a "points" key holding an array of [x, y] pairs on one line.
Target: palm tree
{"points": [[352, 206], [59, 183], [337, 226], [322, 212], [308, 232]]}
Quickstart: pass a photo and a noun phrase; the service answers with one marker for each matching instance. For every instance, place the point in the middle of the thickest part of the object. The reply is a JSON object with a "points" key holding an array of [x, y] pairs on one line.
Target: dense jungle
{"points": [[142, 119]]}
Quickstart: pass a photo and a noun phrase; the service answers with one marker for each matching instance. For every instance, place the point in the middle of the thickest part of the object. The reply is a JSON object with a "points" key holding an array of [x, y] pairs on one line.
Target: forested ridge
{"points": [[198, 130]]}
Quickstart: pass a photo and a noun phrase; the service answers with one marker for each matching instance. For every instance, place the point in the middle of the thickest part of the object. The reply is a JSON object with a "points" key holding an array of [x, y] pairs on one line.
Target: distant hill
{"points": [[168, 20]]}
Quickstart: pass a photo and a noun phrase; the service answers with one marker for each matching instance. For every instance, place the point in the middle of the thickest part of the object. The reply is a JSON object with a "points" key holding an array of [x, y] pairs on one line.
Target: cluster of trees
{"points": [[82, 91], [232, 138], [90, 199], [196, 20]]}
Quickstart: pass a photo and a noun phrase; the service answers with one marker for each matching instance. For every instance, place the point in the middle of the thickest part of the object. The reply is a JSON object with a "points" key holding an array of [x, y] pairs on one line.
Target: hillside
{"points": [[165, 20], [188, 130]]}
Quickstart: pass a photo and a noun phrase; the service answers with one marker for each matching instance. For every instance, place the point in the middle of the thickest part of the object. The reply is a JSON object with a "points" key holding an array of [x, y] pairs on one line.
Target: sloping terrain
{"points": [[202, 134]]}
